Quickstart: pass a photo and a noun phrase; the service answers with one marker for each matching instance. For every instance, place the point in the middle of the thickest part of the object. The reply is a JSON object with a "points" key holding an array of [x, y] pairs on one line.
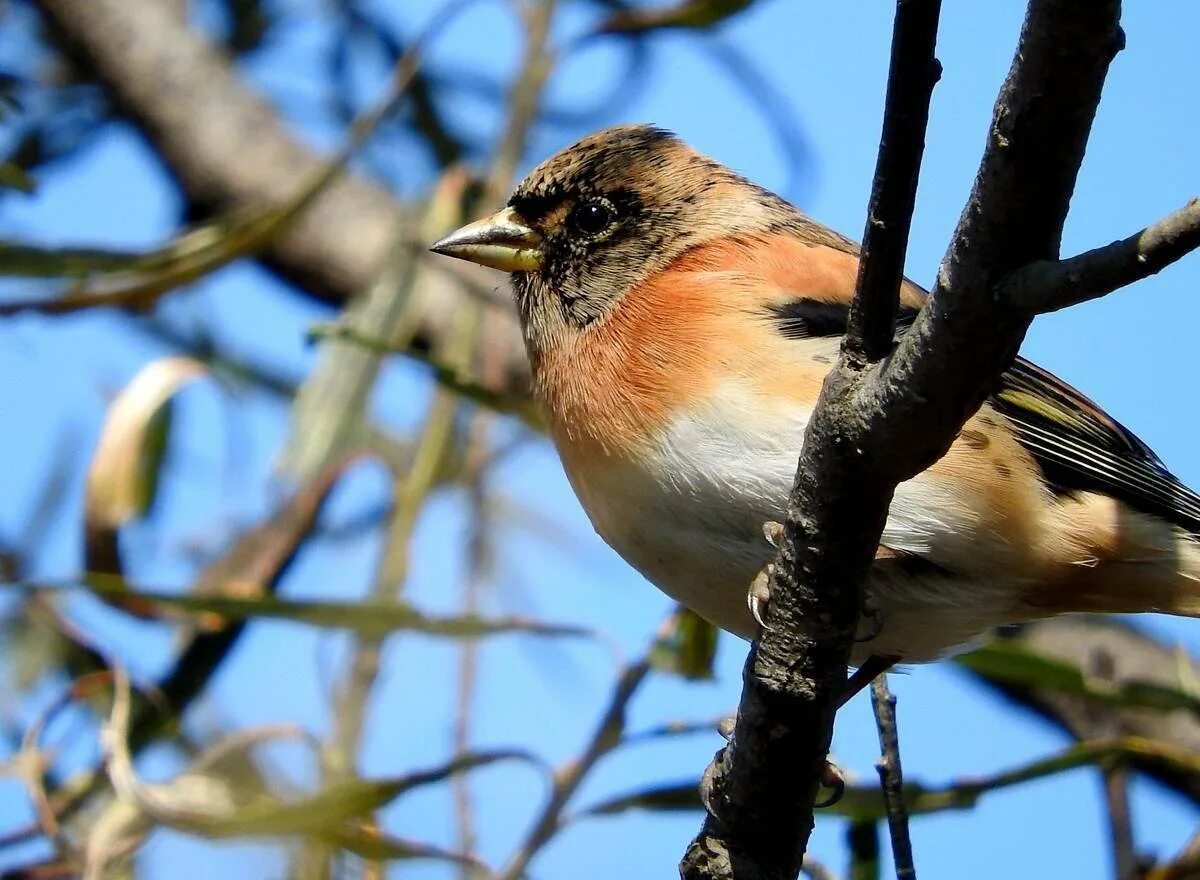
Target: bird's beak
{"points": [[502, 241]]}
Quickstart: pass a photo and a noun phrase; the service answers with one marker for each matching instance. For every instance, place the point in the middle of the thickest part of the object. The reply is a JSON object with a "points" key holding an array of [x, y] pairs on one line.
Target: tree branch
{"points": [[1049, 286], [761, 787], [875, 427], [914, 71], [891, 777], [229, 150]]}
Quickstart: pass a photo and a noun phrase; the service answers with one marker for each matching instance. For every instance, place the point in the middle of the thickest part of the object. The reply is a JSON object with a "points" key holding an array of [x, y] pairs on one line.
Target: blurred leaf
{"points": [[372, 618], [123, 474], [865, 802], [340, 802], [862, 839], [368, 842], [31, 261], [1010, 662], [15, 177], [447, 376], [666, 798], [691, 14], [688, 647], [138, 283], [124, 467], [31, 649]]}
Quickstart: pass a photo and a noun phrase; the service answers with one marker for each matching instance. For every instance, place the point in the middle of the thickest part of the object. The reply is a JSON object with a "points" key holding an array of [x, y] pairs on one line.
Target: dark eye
{"points": [[592, 217]]}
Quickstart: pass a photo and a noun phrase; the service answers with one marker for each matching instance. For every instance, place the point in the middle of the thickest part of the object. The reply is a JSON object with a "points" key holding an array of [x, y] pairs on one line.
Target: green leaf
{"points": [[367, 618], [1009, 662], [688, 648], [368, 842], [689, 14], [664, 798], [31, 261], [326, 810], [865, 802], [15, 177]]}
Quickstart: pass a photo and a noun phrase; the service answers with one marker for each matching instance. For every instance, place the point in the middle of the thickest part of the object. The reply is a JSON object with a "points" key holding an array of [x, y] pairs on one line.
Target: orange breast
{"points": [[670, 340]]}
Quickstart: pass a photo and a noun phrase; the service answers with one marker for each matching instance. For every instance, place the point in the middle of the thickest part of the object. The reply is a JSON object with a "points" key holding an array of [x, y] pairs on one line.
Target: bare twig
{"points": [[1115, 774], [891, 777], [763, 785], [1120, 824], [1047, 286], [567, 778], [913, 74], [879, 425], [523, 98], [478, 559]]}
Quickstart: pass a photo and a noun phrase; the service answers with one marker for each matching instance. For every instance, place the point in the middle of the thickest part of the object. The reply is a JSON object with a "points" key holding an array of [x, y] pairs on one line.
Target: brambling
{"points": [[680, 320]]}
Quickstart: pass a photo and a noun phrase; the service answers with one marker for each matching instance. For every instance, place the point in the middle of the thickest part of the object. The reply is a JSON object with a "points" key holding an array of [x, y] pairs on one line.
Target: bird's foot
{"points": [[870, 623], [833, 780], [758, 595]]}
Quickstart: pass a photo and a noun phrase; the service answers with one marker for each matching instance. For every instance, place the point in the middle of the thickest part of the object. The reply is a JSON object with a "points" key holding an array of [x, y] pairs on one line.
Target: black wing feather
{"points": [[1078, 446]]}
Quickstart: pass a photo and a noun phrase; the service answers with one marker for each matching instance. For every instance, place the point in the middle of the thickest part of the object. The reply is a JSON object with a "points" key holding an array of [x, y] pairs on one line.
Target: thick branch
{"points": [[874, 429], [763, 785], [228, 150], [1048, 286]]}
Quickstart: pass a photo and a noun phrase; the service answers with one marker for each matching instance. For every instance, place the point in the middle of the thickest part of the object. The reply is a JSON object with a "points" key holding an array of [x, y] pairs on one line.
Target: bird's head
{"points": [[593, 221]]}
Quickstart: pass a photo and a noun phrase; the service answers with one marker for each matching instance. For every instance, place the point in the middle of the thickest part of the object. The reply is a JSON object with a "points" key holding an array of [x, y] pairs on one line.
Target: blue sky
{"points": [[1134, 352]]}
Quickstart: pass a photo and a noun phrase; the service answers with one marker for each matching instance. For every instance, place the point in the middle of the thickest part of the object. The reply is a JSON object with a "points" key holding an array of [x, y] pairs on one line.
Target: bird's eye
{"points": [[592, 217]]}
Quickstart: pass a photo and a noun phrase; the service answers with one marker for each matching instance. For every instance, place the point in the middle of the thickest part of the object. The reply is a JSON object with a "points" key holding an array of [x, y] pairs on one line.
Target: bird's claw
{"points": [[834, 780], [758, 596], [872, 618]]}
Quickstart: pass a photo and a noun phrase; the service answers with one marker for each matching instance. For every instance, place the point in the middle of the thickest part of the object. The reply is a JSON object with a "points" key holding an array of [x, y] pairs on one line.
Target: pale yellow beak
{"points": [[502, 241]]}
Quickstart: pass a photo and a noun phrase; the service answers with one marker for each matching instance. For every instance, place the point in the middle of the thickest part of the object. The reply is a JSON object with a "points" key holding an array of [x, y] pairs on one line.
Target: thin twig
{"points": [[1101, 667], [1120, 823], [567, 778], [1047, 286], [478, 563], [913, 73], [524, 98], [891, 777]]}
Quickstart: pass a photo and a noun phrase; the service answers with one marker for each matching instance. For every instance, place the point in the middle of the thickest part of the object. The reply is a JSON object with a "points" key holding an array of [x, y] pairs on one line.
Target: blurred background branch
{"points": [[346, 570]]}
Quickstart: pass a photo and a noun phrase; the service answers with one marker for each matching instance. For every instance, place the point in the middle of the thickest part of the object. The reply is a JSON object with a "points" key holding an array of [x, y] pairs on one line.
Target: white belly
{"points": [[689, 517]]}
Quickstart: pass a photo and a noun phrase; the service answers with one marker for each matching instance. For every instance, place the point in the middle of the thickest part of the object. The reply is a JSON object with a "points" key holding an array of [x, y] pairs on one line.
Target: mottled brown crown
{"points": [[663, 198]]}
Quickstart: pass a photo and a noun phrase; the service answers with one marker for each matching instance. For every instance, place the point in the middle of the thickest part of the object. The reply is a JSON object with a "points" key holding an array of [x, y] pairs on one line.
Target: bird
{"points": [[679, 321]]}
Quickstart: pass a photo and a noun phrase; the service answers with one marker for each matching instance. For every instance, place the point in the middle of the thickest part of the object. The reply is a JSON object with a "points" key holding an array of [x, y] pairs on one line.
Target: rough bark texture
{"points": [[759, 791], [876, 427]]}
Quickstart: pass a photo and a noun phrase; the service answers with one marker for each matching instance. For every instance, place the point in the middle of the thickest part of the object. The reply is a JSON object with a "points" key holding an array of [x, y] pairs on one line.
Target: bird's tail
{"points": [[1123, 561], [1183, 597], [1162, 575]]}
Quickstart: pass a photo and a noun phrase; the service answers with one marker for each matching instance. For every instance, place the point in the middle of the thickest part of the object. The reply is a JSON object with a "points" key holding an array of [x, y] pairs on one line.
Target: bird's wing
{"points": [[1078, 446]]}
